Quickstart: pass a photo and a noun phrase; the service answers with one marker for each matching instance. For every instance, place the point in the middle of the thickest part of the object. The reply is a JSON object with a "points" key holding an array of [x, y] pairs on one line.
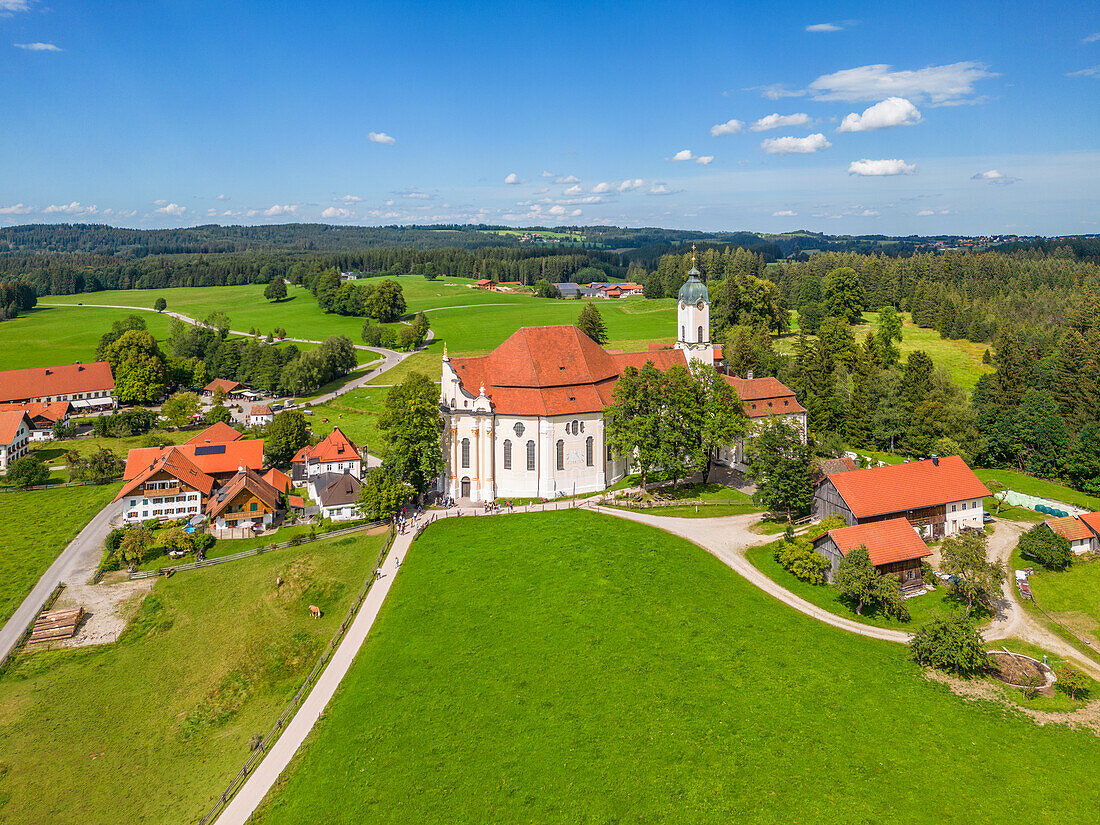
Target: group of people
{"points": [[403, 520]]}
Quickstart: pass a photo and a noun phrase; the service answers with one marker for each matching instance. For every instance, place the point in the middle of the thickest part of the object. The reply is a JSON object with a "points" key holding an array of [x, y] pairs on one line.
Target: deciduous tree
{"points": [[276, 290], [977, 579], [781, 466], [950, 644], [286, 434], [180, 409], [411, 425]]}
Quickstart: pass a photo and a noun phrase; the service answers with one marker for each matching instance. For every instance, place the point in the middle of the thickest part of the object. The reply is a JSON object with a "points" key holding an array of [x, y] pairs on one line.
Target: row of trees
{"points": [[15, 296], [384, 301]]}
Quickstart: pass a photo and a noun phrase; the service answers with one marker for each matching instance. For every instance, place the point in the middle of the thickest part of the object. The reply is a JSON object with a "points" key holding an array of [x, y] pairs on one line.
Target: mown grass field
{"points": [[570, 667], [470, 320], [1031, 486], [932, 605], [151, 728], [47, 336], [1072, 595], [35, 527], [356, 413]]}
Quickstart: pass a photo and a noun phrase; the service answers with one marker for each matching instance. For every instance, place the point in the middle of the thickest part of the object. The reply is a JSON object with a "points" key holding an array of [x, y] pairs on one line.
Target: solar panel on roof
{"points": [[211, 449]]}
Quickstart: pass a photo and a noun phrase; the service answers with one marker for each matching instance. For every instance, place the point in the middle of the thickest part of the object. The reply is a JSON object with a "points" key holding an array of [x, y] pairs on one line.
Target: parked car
{"points": [[987, 518]]}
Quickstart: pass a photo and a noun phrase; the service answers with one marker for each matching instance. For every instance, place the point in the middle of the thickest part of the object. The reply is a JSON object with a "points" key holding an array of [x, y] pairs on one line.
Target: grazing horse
{"points": [[315, 611]]}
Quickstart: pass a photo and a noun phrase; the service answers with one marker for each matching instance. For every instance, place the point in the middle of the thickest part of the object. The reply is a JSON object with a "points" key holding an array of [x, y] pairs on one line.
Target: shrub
{"points": [[1046, 547], [950, 644], [800, 559], [28, 471]]}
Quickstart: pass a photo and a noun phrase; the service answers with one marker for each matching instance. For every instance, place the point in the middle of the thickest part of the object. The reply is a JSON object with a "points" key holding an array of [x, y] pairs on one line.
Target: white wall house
{"points": [[15, 436]]}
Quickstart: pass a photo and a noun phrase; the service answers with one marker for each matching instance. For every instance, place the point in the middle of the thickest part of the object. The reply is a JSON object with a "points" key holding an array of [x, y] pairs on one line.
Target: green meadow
{"points": [[571, 667]]}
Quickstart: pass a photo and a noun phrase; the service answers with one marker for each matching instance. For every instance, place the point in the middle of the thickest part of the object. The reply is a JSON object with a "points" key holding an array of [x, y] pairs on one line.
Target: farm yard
{"points": [[150, 728], [637, 678]]}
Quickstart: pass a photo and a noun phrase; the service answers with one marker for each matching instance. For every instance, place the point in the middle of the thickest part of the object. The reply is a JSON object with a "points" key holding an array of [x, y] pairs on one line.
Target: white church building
{"points": [[526, 421]]}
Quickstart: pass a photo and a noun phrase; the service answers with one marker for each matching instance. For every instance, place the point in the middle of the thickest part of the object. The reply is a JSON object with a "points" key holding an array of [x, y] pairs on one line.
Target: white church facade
{"points": [[526, 421]]}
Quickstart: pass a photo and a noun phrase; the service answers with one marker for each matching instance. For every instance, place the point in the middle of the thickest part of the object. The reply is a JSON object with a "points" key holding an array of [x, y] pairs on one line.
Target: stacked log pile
{"points": [[55, 625]]}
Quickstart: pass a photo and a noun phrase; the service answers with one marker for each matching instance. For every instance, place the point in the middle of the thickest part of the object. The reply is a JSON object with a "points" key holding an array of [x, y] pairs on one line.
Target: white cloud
{"points": [[868, 213], [704, 159], [730, 127], [170, 208], [557, 210], [381, 137], [993, 176], [924, 213], [9, 7], [784, 213], [336, 212], [1092, 38], [546, 174], [222, 198], [660, 189], [894, 111], [281, 209], [683, 154], [74, 208], [348, 199], [512, 179], [568, 179], [17, 209], [574, 190], [824, 27], [879, 168], [600, 188], [776, 121], [795, 146], [37, 47], [541, 191], [629, 185], [423, 196], [943, 85], [1091, 71], [776, 91]]}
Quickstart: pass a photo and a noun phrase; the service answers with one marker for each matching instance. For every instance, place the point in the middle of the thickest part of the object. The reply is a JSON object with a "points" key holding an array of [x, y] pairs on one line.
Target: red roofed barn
{"points": [[939, 496], [83, 385], [893, 545]]}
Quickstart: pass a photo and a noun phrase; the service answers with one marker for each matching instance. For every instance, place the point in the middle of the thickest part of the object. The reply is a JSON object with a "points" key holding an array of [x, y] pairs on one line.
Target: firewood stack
{"points": [[55, 625]]}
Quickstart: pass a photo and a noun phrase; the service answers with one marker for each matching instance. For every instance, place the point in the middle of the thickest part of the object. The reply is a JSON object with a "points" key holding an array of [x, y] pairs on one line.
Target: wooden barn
{"points": [[893, 545]]}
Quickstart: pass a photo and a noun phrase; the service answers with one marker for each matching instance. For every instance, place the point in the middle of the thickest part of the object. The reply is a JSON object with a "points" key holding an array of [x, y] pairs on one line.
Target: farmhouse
{"points": [[335, 453], [225, 385], [220, 461], [337, 495], [218, 433], [1080, 531], [893, 545], [939, 496], [260, 415], [168, 486], [762, 399], [15, 435], [85, 386], [244, 501], [43, 416]]}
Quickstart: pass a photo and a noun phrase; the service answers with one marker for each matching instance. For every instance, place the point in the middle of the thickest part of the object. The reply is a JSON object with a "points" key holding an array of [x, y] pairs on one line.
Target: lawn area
{"points": [[36, 526], [356, 413], [151, 728], [522, 671], [428, 361], [47, 336], [1072, 595], [921, 608], [1031, 486], [719, 500]]}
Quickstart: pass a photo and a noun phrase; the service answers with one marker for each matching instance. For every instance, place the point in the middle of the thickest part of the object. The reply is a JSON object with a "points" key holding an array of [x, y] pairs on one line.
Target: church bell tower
{"points": [[693, 318]]}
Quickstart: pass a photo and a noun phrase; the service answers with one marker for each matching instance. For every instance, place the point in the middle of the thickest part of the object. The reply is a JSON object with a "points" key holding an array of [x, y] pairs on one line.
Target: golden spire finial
{"points": [[693, 255], [445, 351]]}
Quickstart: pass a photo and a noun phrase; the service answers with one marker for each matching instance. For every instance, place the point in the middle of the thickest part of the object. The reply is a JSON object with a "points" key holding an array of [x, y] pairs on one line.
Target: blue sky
{"points": [[890, 118]]}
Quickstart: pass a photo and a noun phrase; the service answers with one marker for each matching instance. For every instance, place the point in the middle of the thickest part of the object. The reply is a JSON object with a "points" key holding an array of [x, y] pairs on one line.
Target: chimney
{"points": [[49, 372], [748, 375], [78, 367], [935, 461]]}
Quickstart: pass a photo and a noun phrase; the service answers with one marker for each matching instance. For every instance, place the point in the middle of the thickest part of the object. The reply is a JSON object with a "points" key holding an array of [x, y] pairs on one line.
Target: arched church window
{"points": [[561, 454], [519, 429], [683, 333], [507, 454], [700, 335], [465, 453], [531, 456], [589, 458]]}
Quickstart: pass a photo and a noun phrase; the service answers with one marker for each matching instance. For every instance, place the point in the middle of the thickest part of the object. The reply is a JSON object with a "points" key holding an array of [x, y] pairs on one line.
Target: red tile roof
{"points": [[9, 424], [762, 397], [552, 371], [886, 541], [42, 382], [260, 409], [1070, 528], [1093, 521], [207, 457], [51, 411], [247, 481], [277, 479], [897, 488], [219, 433], [224, 383], [333, 447], [174, 462]]}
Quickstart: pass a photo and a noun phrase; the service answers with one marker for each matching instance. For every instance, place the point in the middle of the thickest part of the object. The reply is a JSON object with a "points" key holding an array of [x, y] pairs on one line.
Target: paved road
{"points": [[76, 564]]}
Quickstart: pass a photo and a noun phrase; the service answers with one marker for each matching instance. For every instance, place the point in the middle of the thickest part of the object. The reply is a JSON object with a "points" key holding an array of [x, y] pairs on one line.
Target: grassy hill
{"points": [[571, 667]]}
